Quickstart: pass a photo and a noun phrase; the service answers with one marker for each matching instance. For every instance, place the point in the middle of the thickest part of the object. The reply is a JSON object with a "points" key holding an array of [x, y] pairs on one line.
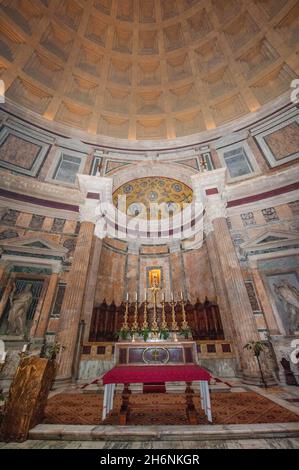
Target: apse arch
{"points": [[169, 170]]}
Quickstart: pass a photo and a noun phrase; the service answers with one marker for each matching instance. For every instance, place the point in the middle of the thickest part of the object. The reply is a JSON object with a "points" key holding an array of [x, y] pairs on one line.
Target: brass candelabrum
{"points": [[154, 325], [125, 325], [185, 325], [174, 325], [163, 323], [135, 323], [145, 322]]}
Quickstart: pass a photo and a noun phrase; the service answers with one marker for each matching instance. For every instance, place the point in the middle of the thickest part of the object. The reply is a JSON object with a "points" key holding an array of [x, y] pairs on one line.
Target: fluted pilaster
{"points": [[43, 320], [265, 303]]}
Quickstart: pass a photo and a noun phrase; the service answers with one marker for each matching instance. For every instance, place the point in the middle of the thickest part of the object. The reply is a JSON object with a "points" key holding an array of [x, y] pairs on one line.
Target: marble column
{"points": [[73, 300], [211, 188], [91, 283], [218, 278], [240, 309], [43, 320]]}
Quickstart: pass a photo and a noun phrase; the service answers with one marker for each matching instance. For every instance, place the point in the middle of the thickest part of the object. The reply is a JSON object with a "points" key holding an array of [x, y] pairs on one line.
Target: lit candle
{"points": [[136, 296]]}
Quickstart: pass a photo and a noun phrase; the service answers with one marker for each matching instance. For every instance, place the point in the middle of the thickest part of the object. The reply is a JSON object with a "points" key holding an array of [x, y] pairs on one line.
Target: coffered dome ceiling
{"points": [[147, 69]]}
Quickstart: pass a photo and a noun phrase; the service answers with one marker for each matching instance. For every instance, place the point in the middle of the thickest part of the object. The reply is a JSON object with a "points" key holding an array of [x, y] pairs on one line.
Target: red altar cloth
{"points": [[150, 374]]}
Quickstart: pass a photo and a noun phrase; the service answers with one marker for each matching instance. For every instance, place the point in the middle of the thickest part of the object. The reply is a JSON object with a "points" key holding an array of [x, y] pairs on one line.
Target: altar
{"points": [[156, 353], [156, 362]]}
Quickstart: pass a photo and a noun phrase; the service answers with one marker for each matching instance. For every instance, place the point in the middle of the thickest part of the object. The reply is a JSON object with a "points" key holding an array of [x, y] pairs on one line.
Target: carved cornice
{"points": [[33, 187]]}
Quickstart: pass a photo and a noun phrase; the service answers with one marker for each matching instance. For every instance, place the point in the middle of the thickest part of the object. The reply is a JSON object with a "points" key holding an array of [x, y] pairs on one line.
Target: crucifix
{"points": [[155, 355], [155, 289]]}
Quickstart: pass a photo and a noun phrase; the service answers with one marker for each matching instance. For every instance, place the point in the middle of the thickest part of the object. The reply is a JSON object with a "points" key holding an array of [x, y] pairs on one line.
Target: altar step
{"points": [[163, 433]]}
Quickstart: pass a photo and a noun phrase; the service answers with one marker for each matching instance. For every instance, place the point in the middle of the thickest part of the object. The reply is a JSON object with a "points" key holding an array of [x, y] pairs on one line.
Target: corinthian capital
{"points": [[88, 211], [216, 207]]}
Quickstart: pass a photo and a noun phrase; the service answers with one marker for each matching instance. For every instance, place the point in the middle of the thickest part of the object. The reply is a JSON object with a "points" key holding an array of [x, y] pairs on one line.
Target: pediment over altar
{"points": [[33, 246], [270, 241]]}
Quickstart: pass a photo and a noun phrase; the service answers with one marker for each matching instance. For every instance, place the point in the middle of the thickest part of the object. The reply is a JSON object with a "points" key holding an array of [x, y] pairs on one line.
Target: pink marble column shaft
{"points": [[240, 308], [218, 278], [73, 300], [91, 284]]}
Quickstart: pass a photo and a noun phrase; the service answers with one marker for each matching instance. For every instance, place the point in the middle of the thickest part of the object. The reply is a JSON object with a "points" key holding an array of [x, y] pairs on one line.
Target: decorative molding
{"points": [[280, 144], [21, 152], [270, 242], [34, 246]]}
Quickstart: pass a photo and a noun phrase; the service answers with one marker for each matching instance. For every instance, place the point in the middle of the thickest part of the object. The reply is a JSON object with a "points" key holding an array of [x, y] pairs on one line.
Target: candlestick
{"points": [[145, 322], [135, 324], [174, 325], [185, 325], [163, 324], [125, 325]]}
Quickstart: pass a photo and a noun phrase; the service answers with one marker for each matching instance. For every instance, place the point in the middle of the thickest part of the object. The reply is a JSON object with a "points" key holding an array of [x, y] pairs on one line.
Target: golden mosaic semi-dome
{"points": [[152, 197], [147, 69]]}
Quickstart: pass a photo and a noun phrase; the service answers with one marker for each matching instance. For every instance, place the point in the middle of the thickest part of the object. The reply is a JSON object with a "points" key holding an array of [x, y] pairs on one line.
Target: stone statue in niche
{"points": [[19, 305], [289, 296]]}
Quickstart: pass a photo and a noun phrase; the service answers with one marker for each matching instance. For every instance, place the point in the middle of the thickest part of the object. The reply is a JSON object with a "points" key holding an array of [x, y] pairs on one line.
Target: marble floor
{"points": [[52, 438], [268, 443]]}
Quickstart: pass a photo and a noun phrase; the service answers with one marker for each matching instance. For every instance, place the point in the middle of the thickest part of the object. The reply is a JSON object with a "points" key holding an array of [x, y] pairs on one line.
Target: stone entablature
{"points": [[52, 161]]}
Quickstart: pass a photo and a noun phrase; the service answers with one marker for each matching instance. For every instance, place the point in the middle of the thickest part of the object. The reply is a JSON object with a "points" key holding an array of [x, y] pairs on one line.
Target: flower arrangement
{"points": [[186, 332], [145, 332], [164, 333]]}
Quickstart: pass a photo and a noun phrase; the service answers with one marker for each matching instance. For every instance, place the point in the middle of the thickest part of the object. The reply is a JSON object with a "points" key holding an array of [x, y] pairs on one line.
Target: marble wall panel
{"points": [[110, 284], [199, 280]]}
